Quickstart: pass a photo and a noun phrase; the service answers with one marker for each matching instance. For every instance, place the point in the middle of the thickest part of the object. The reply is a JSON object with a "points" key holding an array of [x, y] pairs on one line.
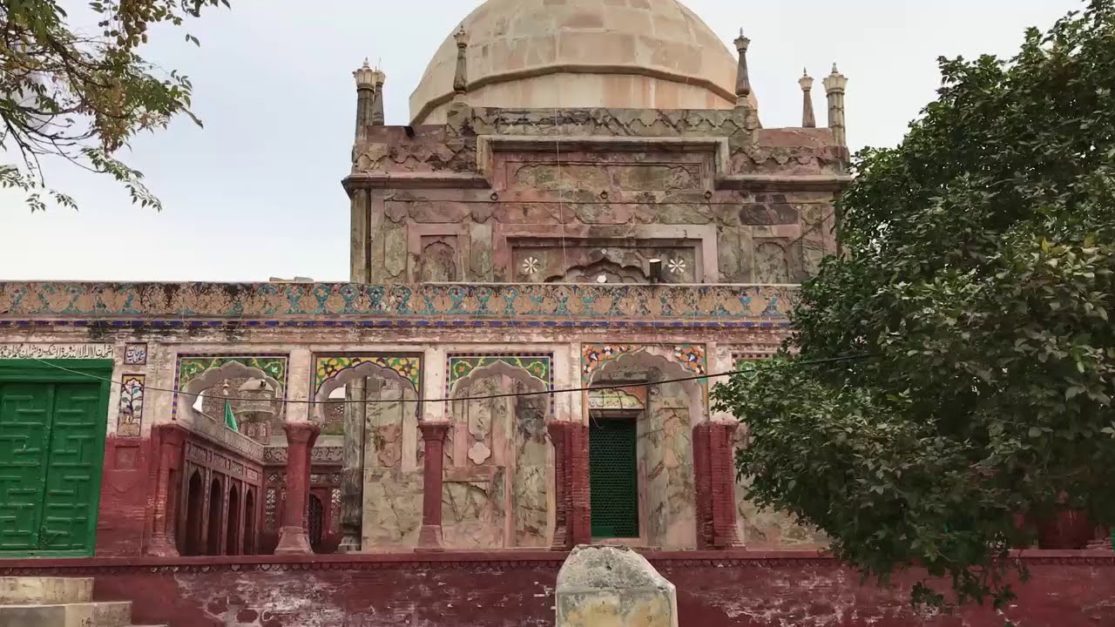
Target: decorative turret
{"points": [[743, 78], [365, 94], [808, 117], [460, 78], [834, 87], [377, 102]]}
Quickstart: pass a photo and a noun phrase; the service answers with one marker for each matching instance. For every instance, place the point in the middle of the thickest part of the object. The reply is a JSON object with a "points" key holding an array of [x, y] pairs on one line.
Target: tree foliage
{"points": [[974, 292], [81, 96]]}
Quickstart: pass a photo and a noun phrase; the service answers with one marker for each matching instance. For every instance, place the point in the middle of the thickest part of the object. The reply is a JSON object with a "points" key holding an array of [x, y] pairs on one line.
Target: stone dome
{"points": [[582, 53]]}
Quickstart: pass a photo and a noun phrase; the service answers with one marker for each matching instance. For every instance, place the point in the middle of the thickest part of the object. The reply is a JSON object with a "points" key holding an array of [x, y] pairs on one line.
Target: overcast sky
{"points": [[257, 192]]}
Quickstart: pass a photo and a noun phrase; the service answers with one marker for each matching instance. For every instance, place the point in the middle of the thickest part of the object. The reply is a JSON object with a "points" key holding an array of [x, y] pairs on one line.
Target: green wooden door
{"points": [[51, 447], [25, 410], [614, 484]]}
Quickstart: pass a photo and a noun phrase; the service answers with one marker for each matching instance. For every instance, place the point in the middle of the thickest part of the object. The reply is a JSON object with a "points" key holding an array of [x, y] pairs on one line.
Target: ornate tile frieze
{"points": [[158, 305]]}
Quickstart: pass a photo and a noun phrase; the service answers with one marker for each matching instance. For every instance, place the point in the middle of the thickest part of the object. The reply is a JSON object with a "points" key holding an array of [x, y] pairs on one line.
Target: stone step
{"points": [[45, 590], [100, 614]]}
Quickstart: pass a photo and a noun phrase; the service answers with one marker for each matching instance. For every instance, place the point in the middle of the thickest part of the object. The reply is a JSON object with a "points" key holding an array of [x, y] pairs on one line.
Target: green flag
{"points": [[230, 418]]}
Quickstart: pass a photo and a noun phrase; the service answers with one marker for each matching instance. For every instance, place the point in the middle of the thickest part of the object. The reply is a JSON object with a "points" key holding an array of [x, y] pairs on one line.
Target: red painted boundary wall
{"points": [[745, 589]]}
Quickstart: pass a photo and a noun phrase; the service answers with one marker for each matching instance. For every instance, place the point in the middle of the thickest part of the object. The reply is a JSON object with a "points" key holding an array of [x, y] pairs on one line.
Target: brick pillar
{"points": [[300, 437], [579, 514], [169, 441], [715, 478], [702, 485], [560, 542], [433, 435]]}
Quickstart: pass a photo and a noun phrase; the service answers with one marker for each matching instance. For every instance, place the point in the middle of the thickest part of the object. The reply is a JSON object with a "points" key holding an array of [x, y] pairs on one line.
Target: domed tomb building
{"points": [[563, 151], [580, 228]]}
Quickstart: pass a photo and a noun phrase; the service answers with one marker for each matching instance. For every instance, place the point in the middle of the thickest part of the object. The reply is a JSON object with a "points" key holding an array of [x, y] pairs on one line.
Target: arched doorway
{"points": [[195, 499], [216, 503], [249, 522], [641, 480], [233, 521], [316, 522]]}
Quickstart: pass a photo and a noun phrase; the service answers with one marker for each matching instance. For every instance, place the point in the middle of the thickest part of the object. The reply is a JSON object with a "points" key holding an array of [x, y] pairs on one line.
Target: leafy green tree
{"points": [[953, 370], [80, 97]]}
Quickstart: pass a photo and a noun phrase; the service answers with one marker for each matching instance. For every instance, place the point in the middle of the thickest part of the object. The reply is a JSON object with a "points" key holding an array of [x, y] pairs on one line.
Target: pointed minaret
{"points": [[808, 118], [834, 87], [365, 94], [743, 78], [377, 101], [460, 78]]}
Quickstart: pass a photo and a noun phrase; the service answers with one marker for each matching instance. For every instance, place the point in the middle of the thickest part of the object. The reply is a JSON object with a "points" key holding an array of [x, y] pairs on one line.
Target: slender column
{"points": [[365, 91], [292, 534], [715, 479], [352, 474], [433, 435], [171, 441], [580, 509], [202, 547], [835, 86], [561, 538], [377, 117], [745, 104], [808, 117], [222, 524]]}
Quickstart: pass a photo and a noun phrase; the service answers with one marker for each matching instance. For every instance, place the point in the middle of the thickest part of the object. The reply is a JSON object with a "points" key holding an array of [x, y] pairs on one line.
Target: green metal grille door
{"points": [[50, 464], [614, 484]]}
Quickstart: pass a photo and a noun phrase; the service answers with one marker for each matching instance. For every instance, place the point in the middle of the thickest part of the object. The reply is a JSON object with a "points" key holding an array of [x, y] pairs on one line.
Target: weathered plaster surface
{"points": [[666, 465]]}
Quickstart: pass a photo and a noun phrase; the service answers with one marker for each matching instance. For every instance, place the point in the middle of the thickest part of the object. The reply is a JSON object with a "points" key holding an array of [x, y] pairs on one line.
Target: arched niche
{"points": [[233, 525], [250, 521], [499, 462], [673, 362], [381, 487], [214, 377], [195, 502], [216, 515], [675, 402], [358, 371]]}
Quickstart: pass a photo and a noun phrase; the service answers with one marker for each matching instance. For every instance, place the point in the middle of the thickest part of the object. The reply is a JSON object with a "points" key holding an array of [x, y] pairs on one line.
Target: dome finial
{"points": [[743, 77]]}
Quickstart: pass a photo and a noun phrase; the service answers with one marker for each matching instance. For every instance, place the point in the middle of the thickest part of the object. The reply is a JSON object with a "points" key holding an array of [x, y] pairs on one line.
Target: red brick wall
{"points": [[125, 486], [128, 491], [516, 589]]}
